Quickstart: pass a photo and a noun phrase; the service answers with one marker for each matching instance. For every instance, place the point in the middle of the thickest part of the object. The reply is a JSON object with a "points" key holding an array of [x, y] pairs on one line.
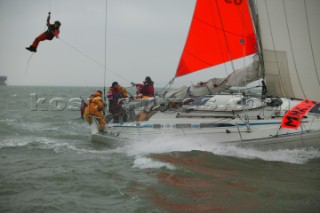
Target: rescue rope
{"points": [[28, 63], [49, 5], [91, 58]]}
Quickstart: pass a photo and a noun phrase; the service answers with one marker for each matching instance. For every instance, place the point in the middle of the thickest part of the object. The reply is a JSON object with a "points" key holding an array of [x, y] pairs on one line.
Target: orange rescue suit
{"points": [[94, 109]]}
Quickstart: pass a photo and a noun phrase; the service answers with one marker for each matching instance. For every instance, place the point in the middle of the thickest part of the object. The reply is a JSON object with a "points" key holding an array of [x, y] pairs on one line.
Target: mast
{"points": [[105, 54], [255, 21]]}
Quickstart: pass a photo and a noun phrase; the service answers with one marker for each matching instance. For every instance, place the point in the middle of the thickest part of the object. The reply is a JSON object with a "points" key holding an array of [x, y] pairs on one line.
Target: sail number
{"points": [[236, 2]]}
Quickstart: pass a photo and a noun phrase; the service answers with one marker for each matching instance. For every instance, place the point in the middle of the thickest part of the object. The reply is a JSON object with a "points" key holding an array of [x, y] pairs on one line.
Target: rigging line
{"points": [[255, 20], [91, 58], [169, 84], [224, 34], [243, 43], [49, 5], [28, 63], [225, 40], [105, 52], [310, 40], [283, 89], [291, 48], [220, 49]]}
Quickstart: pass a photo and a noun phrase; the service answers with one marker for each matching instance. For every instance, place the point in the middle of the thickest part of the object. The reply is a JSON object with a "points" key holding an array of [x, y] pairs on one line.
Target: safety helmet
{"points": [[57, 23]]}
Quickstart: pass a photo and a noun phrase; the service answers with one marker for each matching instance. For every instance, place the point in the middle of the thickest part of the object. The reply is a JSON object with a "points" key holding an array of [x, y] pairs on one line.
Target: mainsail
{"points": [[221, 31], [290, 35]]}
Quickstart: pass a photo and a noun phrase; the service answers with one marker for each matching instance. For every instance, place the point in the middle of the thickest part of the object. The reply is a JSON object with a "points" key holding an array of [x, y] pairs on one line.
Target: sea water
{"points": [[49, 164]]}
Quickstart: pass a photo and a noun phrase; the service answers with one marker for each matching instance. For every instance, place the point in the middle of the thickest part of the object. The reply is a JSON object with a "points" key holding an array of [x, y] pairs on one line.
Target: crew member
{"points": [[95, 109], [83, 107], [146, 89], [53, 31], [115, 94]]}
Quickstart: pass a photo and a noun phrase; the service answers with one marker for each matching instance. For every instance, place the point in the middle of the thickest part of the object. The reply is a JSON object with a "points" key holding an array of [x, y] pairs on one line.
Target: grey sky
{"points": [[144, 37]]}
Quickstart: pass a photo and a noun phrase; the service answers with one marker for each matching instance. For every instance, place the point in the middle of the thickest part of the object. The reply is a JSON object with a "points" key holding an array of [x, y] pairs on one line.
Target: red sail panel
{"points": [[220, 31], [293, 117]]}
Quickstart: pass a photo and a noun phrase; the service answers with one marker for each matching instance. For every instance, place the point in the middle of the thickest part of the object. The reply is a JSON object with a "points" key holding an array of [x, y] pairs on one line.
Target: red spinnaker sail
{"points": [[220, 31], [292, 118]]}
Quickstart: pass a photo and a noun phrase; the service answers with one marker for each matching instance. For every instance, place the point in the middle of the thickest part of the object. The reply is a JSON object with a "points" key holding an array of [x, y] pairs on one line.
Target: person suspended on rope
{"points": [[115, 95], [95, 109], [53, 31], [146, 89]]}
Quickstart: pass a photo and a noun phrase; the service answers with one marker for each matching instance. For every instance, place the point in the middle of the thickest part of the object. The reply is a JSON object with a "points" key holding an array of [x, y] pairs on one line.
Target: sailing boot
{"points": [[31, 49]]}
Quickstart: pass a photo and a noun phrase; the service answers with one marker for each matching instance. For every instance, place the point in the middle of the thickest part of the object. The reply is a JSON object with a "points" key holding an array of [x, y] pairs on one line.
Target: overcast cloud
{"points": [[144, 37]]}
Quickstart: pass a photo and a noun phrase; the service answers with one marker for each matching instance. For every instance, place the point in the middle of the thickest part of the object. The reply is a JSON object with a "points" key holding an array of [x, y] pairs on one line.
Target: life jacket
{"points": [[147, 90], [52, 30], [95, 103], [115, 94]]}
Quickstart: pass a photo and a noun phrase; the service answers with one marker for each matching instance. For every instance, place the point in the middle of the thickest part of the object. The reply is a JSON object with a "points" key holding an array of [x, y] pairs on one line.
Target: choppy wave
{"points": [[72, 137], [147, 163], [167, 145]]}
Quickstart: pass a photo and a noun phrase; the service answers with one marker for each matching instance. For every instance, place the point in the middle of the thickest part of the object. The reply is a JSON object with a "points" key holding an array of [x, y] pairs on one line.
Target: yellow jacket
{"points": [[96, 104]]}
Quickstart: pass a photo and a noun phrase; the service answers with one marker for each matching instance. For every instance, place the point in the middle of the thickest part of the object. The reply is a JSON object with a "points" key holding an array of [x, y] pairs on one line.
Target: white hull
{"points": [[262, 134]]}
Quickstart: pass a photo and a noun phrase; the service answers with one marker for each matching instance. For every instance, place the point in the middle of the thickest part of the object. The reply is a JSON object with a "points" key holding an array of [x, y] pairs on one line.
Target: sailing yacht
{"points": [[282, 38]]}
